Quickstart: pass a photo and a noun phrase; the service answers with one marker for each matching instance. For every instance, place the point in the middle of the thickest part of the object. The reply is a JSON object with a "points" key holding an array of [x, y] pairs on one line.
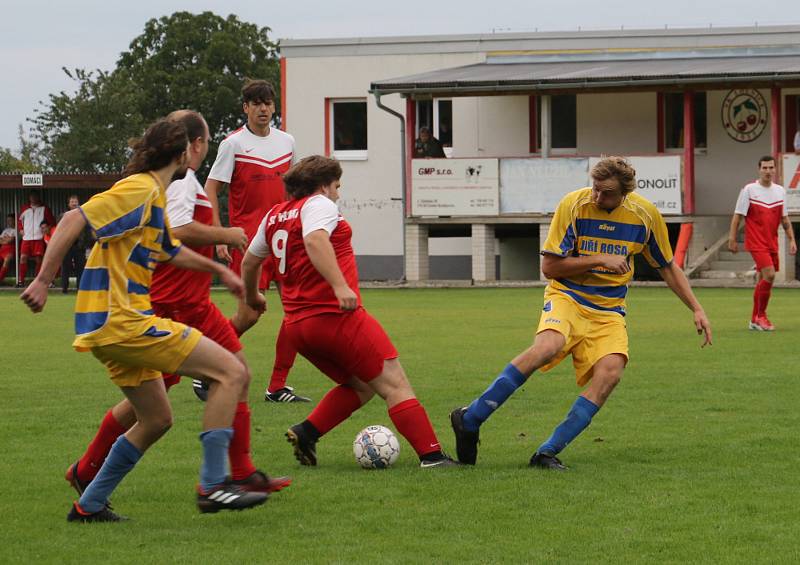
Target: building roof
{"points": [[606, 70]]}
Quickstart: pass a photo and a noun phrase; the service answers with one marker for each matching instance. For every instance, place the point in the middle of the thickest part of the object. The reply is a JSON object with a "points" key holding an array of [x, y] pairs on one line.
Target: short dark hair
{"points": [[425, 129], [765, 159], [75, 196], [163, 142], [35, 193], [309, 174], [193, 121], [258, 91], [44, 223], [10, 215]]}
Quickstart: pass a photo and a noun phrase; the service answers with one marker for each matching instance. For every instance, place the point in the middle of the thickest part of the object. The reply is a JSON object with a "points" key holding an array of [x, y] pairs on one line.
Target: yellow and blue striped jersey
{"points": [[133, 233], [579, 227]]}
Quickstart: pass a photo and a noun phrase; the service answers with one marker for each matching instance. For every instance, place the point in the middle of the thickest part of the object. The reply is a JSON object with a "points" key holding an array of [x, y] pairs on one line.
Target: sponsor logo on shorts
{"points": [[552, 320], [186, 332], [548, 306]]}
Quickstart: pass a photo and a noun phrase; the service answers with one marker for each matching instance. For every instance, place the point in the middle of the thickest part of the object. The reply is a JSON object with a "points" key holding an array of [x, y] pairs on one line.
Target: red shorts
{"points": [[32, 247], [205, 317], [343, 346], [267, 269], [7, 250], [764, 259]]}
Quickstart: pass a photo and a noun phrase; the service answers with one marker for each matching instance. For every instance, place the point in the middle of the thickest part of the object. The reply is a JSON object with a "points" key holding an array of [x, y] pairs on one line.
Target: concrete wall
{"points": [[368, 186], [617, 123]]}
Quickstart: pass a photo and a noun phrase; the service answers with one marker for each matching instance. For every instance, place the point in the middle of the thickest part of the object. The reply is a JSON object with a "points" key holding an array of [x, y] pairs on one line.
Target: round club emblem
{"points": [[744, 114]]}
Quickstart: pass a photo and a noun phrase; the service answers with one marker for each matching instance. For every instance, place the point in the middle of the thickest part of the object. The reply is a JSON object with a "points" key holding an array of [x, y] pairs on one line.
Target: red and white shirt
{"points": [[30, 221], [304, 291], [763, 208], [253, 166], [186, 203]]}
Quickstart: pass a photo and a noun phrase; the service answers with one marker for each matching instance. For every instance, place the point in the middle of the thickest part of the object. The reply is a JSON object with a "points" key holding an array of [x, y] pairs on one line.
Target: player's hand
{"points": [[236, 239], [232, 281], [223, 254], [348, 300], [793, 248], [257, 303], [733, 246], [35, 296], [615, 263], [703, 326]]}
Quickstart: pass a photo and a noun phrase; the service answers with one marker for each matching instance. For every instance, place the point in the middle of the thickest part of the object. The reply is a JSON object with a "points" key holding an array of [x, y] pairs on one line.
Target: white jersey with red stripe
{"points": [[186, 202], [30, 221], [304, 291], [253, 166], [763, 208]]}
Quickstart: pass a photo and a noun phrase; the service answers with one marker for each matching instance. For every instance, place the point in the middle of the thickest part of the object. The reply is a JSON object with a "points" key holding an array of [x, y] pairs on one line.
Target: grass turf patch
{"points": [[694, 458]]}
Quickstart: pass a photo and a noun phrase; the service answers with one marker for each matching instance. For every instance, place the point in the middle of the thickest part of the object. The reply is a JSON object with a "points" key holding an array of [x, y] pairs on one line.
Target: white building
{"points": [[538, 107]]}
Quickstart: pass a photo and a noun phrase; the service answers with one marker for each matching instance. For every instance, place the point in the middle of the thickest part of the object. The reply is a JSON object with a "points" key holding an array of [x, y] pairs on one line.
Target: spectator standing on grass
{"points": [[8, 245], [31, 217]]}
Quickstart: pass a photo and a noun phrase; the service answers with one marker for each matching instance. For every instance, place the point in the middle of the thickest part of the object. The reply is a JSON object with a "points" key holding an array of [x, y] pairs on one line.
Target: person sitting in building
{"points": [[428, 146], [8, 245]]}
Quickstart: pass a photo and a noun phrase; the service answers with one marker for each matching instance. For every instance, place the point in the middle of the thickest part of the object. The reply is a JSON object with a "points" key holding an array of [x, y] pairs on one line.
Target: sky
{"points": [[38, 38]]}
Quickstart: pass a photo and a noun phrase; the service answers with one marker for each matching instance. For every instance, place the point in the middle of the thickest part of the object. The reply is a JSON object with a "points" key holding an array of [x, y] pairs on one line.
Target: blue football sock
{"points": [[121, 459], [493, 397], [579, 417], [215, 457]]}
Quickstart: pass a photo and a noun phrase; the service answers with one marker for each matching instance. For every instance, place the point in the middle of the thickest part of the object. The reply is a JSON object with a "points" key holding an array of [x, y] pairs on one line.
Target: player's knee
{"points": [[157, 425]]}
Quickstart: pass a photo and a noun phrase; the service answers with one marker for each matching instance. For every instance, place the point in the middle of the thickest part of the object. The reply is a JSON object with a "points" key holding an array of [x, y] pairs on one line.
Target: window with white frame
{"points": [[563, 123], [437, 116], [348, 128], [673, 120]]}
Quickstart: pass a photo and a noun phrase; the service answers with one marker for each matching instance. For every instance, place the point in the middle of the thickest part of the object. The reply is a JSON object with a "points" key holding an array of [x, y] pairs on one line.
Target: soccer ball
{"points": [[376, 447]]}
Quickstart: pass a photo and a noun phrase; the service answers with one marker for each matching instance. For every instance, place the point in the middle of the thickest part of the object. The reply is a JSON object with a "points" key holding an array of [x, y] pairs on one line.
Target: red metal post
{"points": [[688, 152], [775, 121], [659, 122], [327, 127], [533, 125]]}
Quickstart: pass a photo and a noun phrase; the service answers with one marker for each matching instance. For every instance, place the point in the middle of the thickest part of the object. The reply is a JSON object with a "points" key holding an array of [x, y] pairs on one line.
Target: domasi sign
{"points": [[32, 180]]}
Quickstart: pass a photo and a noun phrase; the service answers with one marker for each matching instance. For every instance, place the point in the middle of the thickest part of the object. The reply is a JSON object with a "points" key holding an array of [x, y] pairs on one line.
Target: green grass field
{"points": [[694, 458]]}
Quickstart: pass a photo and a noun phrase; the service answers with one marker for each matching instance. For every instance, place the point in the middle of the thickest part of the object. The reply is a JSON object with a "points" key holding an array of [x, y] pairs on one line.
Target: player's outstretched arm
{"points": [[556, 267], [323, 257], [676, 280], [197, 234], [185, 258], [35, 296], [251, 273]]}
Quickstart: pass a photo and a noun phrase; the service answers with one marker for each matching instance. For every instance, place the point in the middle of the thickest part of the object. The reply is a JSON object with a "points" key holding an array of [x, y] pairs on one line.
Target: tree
{"points": [[24, 160], [179, 61]]}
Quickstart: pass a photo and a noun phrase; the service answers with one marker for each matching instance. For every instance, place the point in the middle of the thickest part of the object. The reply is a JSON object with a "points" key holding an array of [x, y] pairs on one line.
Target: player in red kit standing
{"points": [[251, 161], [763, 206], [308, 244], [183, 296], [31, 218]]}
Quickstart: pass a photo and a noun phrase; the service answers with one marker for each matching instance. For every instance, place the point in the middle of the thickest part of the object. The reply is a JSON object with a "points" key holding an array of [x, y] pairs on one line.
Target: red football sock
{"points": [[89, 465], [766, 292], [3, 271], [334, 408], [285, 355], [412, 422], [239, 448], [23, 270]]}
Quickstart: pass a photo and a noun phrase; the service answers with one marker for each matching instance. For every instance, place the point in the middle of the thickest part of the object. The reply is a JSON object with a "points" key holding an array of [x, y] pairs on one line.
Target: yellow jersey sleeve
{"points": [[561, 237], [657, 249], [123, 208]]}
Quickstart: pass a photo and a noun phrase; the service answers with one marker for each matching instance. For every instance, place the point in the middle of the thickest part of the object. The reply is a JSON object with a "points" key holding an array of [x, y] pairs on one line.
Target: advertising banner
{"points": [[537, 185], [791, 181], [659, 179], [454, 187]]}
